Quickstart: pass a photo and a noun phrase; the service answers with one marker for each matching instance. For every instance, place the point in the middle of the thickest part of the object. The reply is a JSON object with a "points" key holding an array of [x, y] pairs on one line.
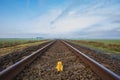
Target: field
{"points": [[10, 45], [109, 46], [8, 42]]}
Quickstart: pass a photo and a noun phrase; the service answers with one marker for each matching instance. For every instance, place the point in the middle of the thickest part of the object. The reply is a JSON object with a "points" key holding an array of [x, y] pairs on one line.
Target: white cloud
{"points": [[72, 23], [118, 30], [76, 18], [42, 24]]}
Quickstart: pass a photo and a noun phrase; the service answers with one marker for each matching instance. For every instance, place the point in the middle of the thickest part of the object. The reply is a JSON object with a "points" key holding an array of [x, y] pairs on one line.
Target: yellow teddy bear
{"points": [[59, 66]]}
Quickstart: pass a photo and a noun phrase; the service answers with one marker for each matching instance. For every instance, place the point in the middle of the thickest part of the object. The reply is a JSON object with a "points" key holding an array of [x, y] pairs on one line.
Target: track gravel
{"points": [[43, 68]]}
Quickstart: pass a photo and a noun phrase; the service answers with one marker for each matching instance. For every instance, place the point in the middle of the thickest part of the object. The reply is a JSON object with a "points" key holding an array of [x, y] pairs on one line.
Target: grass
{"points": [[8, 42], [109, 46], [11, 46], [106, 41]]}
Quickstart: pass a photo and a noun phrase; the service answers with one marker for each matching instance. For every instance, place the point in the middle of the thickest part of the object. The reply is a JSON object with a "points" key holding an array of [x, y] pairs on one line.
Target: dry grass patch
{"points": [[7, 50]]}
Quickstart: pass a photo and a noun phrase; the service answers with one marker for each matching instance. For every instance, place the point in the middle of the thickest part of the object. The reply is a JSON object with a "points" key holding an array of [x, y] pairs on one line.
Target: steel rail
{"points": [[10, 72], [99, 69]]}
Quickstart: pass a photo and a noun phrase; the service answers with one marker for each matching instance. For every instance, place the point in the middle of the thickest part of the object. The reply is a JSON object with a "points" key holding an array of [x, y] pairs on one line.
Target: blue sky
{"points": [[60, 19]]}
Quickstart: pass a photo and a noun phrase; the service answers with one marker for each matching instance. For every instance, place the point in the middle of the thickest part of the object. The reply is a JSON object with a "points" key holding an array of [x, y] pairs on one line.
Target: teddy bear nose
{"points": [[59, 66]]}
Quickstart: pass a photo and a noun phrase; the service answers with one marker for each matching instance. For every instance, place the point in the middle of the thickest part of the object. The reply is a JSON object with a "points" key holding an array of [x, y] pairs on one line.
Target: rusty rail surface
{"points": [[99, 69], [10, 72]]}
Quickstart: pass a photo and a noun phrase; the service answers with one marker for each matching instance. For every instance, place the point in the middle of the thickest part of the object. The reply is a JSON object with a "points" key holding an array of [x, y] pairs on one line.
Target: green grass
{"points": [[8, 42], [109, 46], [106, 41], [11, 45]]}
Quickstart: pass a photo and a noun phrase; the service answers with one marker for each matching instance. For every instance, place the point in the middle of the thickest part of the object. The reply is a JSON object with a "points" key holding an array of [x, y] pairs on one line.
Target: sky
{"points": [[76, 19]]}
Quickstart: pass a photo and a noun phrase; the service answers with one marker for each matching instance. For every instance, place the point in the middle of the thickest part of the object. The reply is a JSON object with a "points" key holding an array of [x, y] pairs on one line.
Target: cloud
{"points": [[76, 19], [93, 17], [42, 24]]}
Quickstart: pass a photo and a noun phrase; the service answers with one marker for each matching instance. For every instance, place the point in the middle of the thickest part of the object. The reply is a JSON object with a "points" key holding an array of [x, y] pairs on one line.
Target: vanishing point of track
{"points": [[40, 65]]}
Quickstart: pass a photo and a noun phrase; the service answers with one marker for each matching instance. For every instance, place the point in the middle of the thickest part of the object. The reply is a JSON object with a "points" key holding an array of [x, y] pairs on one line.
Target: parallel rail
{"points": [[99, 69], [10, 72]]}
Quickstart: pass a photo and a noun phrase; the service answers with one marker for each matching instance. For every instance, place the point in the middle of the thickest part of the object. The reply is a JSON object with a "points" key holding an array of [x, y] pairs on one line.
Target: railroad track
{"points": [[12, 58], [39, 66], [111, 61]]}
